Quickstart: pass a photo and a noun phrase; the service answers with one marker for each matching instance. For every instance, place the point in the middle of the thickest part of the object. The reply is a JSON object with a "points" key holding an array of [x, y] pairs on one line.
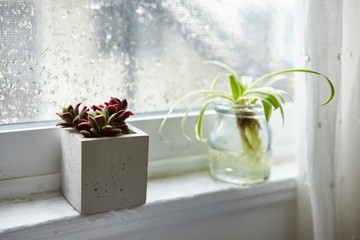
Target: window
{"points": [[53, 53], [151, 52]]}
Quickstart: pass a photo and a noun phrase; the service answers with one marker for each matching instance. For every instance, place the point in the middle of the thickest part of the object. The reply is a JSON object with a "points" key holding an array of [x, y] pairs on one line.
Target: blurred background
{"points": [[56, 53]]}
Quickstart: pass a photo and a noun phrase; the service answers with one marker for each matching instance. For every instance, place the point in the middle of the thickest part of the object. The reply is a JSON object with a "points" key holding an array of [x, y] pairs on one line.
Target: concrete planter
{"points": [[102, 174]]}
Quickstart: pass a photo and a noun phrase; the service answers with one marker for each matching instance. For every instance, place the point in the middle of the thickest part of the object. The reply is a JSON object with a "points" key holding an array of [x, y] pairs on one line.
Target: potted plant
{"points": [[240, 139], [104, 160]]}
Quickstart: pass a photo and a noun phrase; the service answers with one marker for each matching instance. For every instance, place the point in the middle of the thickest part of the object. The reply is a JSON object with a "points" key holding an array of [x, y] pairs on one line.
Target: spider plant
{"points": [[243, 91]]}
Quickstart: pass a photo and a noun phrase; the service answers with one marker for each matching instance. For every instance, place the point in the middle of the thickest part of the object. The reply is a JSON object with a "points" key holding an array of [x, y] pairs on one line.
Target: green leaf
{"points": [[263, 96], [94, 124], [199, 122], [114, 116], [218, 76], [267, 110], [92, 114], [268, 96], [209, 99], [285, 95], [240, 85], [265, 77], [95, 132], [100, 120], [184, 118], [106, 112], [234, 86], [207, 92]]}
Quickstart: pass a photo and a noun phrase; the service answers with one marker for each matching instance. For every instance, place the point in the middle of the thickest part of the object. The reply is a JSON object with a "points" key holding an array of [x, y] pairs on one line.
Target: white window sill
{"points": [[177, 198], [179, 189]]}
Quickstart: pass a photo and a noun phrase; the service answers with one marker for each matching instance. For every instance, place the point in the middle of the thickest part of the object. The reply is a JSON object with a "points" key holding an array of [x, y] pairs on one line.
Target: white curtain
{"points": [[329, 148]]}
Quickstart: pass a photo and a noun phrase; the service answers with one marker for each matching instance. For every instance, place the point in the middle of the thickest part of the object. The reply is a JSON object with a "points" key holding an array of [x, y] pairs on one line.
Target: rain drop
{"points": [[307, 58], [65, 15], [38, 92], [140, 11], [95, 6]]}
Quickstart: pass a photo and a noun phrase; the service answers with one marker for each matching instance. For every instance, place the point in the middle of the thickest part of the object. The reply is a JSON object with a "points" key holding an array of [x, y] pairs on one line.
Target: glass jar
{"points": [[240, 145]]}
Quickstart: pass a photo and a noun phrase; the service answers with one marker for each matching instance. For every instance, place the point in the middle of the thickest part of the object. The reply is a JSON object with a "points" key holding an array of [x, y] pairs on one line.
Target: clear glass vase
{"points": [[240, 145]]}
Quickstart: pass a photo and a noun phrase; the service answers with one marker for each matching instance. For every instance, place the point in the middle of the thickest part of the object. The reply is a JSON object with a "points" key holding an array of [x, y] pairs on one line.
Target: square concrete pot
{"points": [[102, 174]]}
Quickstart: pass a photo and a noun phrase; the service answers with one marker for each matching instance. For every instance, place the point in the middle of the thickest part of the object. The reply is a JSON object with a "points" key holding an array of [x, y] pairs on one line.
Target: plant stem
{"points": [[249, 128]]}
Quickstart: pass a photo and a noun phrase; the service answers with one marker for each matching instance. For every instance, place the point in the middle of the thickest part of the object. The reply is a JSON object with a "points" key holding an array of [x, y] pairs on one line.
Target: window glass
{"points": [[151, 52]]}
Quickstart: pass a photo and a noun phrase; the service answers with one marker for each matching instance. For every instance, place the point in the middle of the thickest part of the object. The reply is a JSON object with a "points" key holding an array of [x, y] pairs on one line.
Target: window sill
{"points": [[181, 197]]}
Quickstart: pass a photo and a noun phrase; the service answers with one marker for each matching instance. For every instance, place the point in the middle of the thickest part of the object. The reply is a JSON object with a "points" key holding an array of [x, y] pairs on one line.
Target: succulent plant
{"points": [[72, 116], [103, 120]]}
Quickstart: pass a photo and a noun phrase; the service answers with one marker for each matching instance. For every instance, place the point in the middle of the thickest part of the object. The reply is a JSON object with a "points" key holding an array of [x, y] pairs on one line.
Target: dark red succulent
{"points": [[72, 116], [104, 120]]}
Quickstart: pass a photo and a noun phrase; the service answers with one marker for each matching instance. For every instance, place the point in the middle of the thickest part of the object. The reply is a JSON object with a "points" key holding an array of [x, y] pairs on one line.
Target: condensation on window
{"points": [[53, 53]]}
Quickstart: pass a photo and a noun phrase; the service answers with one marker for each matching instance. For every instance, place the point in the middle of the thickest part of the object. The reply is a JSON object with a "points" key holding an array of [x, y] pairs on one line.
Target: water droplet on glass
{"points": [[92, 61], [65, 15], [307, 58], [37, 92], [140, 11], [339, 56], [349, 54], [75, 35], [108, 36], [95, 6], [28, 25], [306, 183], [127, 62]]}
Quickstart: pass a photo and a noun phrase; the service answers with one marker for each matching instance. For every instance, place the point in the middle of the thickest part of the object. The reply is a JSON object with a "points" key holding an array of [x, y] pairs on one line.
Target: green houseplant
{"points": [[104, 160], [240, 141]]}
